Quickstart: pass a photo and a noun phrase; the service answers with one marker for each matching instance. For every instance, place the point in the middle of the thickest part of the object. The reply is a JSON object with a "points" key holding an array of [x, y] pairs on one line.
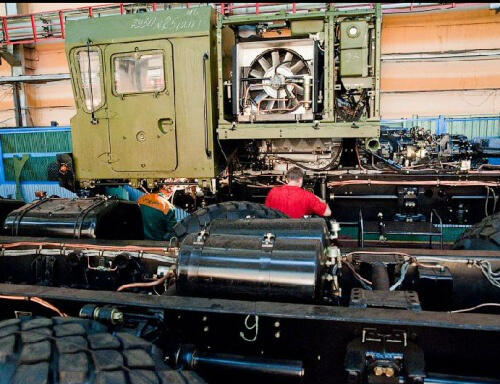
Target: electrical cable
{"points": [[476, 307], [494, 200], [222, 150], [366, 284], [404, 269], [486, 202], [492, 277], [145, 285], [37, 300]]}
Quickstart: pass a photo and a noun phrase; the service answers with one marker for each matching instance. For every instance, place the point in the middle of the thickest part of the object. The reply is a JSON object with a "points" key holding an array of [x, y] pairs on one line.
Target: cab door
{"points": [[141, 110]]}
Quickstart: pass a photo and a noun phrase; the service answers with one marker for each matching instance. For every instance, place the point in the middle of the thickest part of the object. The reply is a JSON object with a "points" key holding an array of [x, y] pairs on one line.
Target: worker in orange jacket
{"points": [[158, 214]]}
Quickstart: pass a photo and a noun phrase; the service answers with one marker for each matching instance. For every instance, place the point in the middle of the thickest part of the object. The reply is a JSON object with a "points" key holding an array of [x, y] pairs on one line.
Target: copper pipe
{"points": [[150, 284], [492, 166], [37, 300], [471, 183], [130, 248], [359, 160]]}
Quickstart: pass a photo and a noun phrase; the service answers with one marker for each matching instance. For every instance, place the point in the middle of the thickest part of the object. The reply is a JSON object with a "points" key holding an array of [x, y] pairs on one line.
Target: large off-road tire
{"points": [[231, 210], [484, 235], [72, 350]]}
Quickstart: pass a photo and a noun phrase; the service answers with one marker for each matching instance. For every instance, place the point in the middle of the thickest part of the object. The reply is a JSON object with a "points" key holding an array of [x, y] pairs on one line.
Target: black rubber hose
{"points": [[380, 277]]}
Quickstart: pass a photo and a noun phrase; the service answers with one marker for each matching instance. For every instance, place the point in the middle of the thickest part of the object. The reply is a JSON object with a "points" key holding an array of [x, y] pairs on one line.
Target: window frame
{"points": [[142, 53], [79, 81]]}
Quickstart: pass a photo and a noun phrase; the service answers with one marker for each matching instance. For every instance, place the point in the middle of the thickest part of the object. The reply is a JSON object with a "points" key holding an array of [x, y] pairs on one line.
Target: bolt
{"points": [[277, 324], [389, 372], [204, 318], [378, 371], [205, 329], [319, 357], [277, 335]]}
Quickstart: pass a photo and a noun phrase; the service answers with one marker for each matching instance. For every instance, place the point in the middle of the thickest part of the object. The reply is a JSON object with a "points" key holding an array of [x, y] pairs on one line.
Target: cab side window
{"points": [[90, 75], [138, 73]]}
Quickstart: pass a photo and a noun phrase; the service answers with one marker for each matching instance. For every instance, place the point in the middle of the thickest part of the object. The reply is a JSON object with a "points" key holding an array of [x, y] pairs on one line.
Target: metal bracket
{"points": [[361, 298], [384, 357], [10, 58], [268, 241], [200, 238], [388, 259]]}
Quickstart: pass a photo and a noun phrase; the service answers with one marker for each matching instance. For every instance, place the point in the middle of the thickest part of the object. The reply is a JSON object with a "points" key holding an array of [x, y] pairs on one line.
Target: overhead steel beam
{"points": [[34, 78]]}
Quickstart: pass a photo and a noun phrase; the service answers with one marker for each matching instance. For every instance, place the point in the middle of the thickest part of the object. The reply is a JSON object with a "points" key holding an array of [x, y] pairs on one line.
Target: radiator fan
{"points": [[276, 82]]}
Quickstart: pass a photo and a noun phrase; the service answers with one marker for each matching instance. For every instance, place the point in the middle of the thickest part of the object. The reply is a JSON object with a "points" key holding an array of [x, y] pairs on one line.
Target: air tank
{"points": [[250, 267], [91, 218]]}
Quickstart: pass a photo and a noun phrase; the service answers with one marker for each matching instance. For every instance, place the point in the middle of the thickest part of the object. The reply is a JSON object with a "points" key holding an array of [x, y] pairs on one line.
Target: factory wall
{"points": [[447, 86], [426, 87]]}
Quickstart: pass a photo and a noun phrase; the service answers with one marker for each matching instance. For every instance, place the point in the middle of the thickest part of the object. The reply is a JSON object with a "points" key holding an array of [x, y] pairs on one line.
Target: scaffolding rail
{"points": [[50, 25]]}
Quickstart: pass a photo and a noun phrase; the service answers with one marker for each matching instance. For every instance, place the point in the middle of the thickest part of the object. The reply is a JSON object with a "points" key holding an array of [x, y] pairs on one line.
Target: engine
{"points": [[418, 146]]}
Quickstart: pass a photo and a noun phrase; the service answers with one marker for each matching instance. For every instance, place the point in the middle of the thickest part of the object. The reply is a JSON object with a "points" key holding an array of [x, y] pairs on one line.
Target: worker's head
{"points": [[295, 176]]}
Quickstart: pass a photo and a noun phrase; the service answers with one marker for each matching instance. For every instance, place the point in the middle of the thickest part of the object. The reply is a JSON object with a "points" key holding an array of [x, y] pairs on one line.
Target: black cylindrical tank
{"points": [[234, 266], [94, 218], [313, 228]]}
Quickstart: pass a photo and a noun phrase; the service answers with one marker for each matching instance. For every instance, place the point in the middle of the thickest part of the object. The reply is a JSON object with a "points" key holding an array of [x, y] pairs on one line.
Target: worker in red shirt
{"points": [[295, 201]]}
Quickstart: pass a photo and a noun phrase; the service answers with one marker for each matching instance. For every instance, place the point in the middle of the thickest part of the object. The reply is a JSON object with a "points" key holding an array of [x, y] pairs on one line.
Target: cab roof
{"points": [[139, 26]]}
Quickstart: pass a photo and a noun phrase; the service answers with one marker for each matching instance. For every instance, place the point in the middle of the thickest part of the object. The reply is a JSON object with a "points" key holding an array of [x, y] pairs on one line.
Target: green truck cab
{"points": [[166, 94]]}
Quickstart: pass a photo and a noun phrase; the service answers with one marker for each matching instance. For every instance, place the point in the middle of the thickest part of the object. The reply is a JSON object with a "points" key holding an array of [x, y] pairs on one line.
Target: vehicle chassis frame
{"points": [[459, 344]]}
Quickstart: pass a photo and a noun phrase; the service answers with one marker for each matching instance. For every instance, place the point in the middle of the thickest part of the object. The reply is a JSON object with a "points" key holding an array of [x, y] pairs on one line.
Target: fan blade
{"points": [[281, 104], [288, 59], [257, 87], [256, 73], [300, 90], [276, 58], [270, 105], [297, 67], [261, 96], [264, 63]]}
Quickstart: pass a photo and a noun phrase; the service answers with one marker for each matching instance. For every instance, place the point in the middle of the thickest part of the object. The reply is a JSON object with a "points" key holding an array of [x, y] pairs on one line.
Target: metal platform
{"points": [[390, 228]]}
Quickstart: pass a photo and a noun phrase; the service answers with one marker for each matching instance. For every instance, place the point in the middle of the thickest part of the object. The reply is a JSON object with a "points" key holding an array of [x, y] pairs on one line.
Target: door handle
{"points": [[205, 112], [165, 125]]}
